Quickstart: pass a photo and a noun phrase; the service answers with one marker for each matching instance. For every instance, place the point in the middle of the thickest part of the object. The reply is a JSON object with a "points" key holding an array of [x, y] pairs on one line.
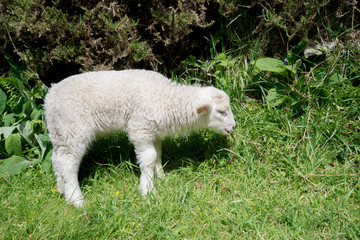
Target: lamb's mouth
{"points": [[226, 132]]}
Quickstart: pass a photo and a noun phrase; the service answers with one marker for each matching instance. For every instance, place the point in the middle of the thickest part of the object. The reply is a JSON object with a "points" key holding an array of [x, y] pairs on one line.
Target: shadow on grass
{"points": [[177, 152]]}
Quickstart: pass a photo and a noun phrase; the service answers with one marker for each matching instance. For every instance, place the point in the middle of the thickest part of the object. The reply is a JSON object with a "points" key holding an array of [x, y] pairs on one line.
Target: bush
{"points": [[58, 38], [285, 23]]}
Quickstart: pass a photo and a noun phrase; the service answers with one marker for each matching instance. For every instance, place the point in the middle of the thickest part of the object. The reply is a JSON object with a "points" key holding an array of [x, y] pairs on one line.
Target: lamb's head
{"points": [[215, 112]]}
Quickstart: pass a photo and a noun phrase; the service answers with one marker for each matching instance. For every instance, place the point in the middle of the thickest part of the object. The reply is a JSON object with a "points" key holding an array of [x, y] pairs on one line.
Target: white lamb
{"points": [[145, 104]]}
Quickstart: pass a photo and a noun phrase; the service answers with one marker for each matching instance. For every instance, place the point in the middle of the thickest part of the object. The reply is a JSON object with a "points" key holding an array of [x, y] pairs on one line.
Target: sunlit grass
{"points": [[281, 176]]}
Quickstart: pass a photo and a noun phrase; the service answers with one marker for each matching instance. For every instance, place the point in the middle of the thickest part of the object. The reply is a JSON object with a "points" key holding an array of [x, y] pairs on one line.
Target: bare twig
{"points": [[307, 179], [331, 71]]}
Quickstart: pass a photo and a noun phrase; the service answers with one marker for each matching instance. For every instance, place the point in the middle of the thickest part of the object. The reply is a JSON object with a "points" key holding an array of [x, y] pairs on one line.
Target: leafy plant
{"points": [[23, 141], [298, 83]]}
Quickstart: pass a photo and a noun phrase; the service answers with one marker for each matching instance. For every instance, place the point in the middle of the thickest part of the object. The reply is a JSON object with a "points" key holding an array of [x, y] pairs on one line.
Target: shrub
{"points": [[58, 37], [285, 23]]}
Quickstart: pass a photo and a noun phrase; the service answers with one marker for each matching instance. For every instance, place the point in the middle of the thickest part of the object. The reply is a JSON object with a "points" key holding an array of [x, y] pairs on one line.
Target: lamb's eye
{"points": [[222, 112]]}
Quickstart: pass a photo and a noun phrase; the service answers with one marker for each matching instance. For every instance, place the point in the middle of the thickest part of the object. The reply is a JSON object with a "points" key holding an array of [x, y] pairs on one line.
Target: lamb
{"points": [[144, 104]]}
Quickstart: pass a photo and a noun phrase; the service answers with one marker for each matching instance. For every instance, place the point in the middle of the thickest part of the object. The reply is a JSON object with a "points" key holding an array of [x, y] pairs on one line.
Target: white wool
{"points": [[145, 104]]}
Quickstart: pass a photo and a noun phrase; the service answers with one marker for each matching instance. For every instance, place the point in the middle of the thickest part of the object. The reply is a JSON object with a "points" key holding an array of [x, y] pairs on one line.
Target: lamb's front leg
{"points": [[146, 156]]}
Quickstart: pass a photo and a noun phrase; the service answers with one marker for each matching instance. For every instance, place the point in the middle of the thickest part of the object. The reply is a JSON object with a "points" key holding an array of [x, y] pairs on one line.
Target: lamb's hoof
{"points": [[148, 194], [59, 190], [76, 203]]}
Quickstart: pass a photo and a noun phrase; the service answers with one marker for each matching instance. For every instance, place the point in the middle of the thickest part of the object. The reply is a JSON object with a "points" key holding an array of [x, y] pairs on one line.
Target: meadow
{"points": [[289, 170]]}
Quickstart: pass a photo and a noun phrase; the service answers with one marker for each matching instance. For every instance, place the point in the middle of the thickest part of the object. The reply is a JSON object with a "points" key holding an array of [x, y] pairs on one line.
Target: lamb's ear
{"points": [[218, 98], [203, 108], [205, 102]]}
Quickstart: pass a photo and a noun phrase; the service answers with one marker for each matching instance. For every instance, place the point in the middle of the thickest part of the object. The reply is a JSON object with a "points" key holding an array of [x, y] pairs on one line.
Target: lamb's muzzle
{"points": [[145, 104]]}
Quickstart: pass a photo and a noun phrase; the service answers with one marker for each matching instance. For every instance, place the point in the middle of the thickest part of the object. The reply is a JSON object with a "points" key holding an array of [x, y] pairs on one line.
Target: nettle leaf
{"points": [[15, 165], [276, 96], [271, 65], [2, 101], [43, 141], [26, 131], [13, 144]]}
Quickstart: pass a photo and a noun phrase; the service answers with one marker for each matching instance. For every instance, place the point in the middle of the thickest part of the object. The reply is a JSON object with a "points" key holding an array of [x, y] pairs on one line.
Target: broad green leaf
{"points": [[6, 131], [7, 119], [2, 101], [13, 144], [18, 108], [271, 65], [27, 108], [221, 57], [36, 114], [274, 98], [26, 132], [43, 141], [15, 165], [335, 77]]}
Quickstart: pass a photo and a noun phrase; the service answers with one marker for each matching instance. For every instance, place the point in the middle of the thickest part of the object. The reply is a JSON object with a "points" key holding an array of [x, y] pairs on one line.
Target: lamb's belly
{"points": [[106, 124], [170, 131]]}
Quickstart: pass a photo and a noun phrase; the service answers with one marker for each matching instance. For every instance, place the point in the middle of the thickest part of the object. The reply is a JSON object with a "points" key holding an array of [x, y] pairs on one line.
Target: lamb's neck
{"points": [[184, 100]]}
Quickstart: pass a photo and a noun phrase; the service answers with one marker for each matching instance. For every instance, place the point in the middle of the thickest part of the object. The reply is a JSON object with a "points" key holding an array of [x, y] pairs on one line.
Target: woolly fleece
{"points": [[145, 104]]}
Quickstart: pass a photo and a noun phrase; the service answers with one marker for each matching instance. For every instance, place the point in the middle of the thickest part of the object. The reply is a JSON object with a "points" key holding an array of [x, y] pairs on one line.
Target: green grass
{"points": [[258, 188], [283, 175]]}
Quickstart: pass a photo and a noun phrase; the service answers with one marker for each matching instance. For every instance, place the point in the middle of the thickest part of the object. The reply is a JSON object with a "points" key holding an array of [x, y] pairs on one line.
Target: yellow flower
{"points": [[54, 190], [117, 193], [40, 171]]}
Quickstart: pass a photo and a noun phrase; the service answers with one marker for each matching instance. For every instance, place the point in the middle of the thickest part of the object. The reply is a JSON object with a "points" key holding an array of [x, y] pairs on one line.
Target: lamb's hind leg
{"points": [[66, 166], [146, 155]]}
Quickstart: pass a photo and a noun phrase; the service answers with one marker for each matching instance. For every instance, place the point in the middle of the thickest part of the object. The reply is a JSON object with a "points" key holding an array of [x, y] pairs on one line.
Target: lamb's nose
{"points": [[232, 127]]}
